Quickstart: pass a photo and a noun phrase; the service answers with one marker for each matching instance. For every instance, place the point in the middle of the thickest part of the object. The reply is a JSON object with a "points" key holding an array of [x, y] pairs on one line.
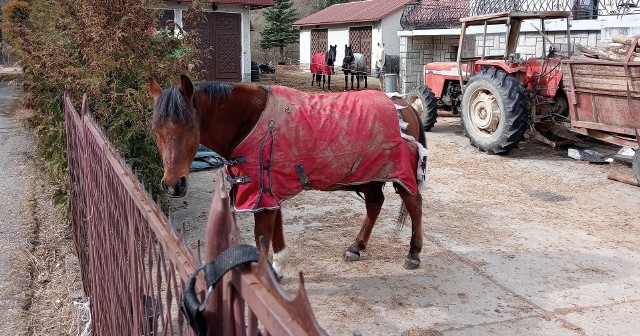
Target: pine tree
{"points": [[327, 3], [279, 32]]}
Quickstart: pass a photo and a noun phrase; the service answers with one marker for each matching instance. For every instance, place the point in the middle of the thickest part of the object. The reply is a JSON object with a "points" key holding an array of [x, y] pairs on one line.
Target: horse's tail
{"points": [[422, 139]]}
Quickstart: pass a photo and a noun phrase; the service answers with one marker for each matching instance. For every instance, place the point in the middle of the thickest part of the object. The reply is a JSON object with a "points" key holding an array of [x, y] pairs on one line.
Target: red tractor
{"points": [[498, 97]]}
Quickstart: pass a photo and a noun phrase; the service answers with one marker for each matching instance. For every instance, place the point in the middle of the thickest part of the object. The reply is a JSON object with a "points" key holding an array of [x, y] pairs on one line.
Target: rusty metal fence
{"points": [[438, 14], [134, 266]]}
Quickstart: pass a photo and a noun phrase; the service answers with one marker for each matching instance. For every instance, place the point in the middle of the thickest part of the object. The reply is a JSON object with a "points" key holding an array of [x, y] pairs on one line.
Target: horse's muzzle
{"points": [[179, 190]]}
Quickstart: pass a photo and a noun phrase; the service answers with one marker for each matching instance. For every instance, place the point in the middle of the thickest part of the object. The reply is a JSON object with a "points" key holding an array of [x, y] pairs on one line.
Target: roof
{"points": [[352, 12]]}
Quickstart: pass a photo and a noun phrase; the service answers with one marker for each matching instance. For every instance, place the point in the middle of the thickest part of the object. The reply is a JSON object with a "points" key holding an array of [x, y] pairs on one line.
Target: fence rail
{"points": [[434, 14], [134, 266]]}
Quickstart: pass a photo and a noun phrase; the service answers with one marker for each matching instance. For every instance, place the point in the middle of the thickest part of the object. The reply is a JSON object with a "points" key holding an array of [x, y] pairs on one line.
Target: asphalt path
{"points": [[16, 148]]}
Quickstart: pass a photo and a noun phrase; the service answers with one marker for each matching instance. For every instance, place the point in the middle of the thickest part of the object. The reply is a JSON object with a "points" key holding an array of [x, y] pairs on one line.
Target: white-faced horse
{"points": [[386, 64]]}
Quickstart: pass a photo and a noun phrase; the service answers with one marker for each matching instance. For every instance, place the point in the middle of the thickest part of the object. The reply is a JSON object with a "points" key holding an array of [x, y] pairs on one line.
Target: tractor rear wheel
{"points": [[636, 164], [422, 99], [494, 111]]}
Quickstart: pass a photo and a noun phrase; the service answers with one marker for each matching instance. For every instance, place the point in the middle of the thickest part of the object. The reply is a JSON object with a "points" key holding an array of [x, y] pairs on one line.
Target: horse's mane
{"points": [[171, 105]]}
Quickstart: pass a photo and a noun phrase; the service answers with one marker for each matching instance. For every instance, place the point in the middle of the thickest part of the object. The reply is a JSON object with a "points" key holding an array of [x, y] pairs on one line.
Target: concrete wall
{"points": [[389, 27]]}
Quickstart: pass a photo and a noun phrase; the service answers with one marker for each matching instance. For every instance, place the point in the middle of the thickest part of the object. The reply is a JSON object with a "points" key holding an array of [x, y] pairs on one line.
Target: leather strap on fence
{"points": [[192, 308]]}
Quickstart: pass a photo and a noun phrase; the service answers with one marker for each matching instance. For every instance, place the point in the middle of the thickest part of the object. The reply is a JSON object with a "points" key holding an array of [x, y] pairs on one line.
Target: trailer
{"points": [[604, 100]]}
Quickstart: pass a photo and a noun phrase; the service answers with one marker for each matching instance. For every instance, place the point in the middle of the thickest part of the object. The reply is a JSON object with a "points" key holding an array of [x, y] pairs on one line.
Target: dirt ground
{"points": [[531, 243]]}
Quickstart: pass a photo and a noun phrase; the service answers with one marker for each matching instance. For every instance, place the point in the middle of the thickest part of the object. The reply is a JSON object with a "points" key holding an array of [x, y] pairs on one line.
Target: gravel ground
{"points": [[532, 243]]}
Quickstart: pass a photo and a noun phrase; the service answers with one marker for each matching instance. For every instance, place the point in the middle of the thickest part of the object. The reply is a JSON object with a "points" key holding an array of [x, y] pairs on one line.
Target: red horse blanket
{"points": [[322, 142], [318, 65]]}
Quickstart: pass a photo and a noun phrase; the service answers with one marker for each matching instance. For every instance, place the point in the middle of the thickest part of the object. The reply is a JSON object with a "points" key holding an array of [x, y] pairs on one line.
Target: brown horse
{"points": [[224, 116]]}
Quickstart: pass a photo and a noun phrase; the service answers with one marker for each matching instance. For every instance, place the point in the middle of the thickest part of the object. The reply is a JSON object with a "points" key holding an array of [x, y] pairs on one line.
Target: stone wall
{"points": [[530, 44], [416, 51]]}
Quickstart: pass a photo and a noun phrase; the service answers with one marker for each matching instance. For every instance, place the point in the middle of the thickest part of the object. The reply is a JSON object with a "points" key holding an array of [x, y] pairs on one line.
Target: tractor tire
{"points": [[494, 111], [636, 164], [422, 99]]}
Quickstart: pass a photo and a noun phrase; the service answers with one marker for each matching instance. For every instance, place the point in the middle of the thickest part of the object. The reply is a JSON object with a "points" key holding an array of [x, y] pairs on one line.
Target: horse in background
{"points": [[322, 65], [354, 64], [386, 64]]}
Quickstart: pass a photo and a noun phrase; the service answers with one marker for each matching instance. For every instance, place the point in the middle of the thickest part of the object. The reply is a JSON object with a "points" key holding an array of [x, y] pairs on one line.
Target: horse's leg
{"points": [[365, 80], [329, 82], [346, 81], [323, 81], [373, 198], [265, 222], [413, 203], [280, 251], [352, 75], [313, 78]]}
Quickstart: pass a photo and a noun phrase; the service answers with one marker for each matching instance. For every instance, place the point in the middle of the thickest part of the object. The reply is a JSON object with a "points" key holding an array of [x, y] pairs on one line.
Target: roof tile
{"points": [[358, 11]]}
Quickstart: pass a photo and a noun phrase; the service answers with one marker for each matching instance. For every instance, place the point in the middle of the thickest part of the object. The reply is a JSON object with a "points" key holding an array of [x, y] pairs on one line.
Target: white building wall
{"points": [[305, 48], [389, 27], [338, 36]]}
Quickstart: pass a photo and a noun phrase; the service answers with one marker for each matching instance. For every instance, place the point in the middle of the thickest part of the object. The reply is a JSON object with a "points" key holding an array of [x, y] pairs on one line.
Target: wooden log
{"points": [[606, 54], [628, 179], [626, 40]]}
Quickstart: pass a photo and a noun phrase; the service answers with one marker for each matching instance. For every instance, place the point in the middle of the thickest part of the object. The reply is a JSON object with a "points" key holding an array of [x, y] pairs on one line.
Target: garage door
{"points": [[360, 40], [319, 38]]}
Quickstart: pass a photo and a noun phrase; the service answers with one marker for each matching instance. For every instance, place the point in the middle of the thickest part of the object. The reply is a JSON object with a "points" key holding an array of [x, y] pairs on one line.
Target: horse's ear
{"points": [[154, 88], [186, 87]]}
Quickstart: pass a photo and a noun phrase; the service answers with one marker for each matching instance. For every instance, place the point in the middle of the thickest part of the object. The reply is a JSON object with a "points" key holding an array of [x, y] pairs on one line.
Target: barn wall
{"points": [[339, 36], [389, 27], [305, 48]]}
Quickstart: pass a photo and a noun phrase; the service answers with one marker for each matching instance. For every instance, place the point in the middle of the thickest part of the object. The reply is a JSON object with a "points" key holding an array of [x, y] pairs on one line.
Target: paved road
{"points": [[15, 148]]}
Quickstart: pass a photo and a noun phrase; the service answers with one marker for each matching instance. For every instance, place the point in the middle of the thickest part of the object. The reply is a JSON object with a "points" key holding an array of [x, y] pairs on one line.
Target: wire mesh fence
{"points": [[435, 14]]}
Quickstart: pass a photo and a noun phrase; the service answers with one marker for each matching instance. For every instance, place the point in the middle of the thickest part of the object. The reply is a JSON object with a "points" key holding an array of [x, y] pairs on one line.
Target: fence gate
{"points": [[360, 40], [319, 41]]}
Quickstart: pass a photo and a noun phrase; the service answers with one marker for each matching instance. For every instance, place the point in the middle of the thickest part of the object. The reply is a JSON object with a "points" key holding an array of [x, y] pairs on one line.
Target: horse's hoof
{"points": [[351, 256], [412, 262]]}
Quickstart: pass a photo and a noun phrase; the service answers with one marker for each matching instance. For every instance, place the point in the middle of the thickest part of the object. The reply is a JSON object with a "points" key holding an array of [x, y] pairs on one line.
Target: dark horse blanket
{"points": [[320, 141]]}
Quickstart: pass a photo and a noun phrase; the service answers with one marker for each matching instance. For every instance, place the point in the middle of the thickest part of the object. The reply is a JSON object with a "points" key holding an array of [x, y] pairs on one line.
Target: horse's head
{"points": [[176, 124], [330, 56], [380, 55], [348, 57]]}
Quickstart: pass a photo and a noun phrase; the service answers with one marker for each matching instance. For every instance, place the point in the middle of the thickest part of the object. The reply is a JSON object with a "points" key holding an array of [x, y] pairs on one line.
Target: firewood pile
{"points": [[615, 51]]}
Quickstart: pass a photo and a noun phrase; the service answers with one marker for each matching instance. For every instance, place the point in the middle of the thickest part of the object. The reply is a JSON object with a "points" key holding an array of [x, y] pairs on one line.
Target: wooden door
{"points": [[219, 37], [360, 40], [319, 41]]}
